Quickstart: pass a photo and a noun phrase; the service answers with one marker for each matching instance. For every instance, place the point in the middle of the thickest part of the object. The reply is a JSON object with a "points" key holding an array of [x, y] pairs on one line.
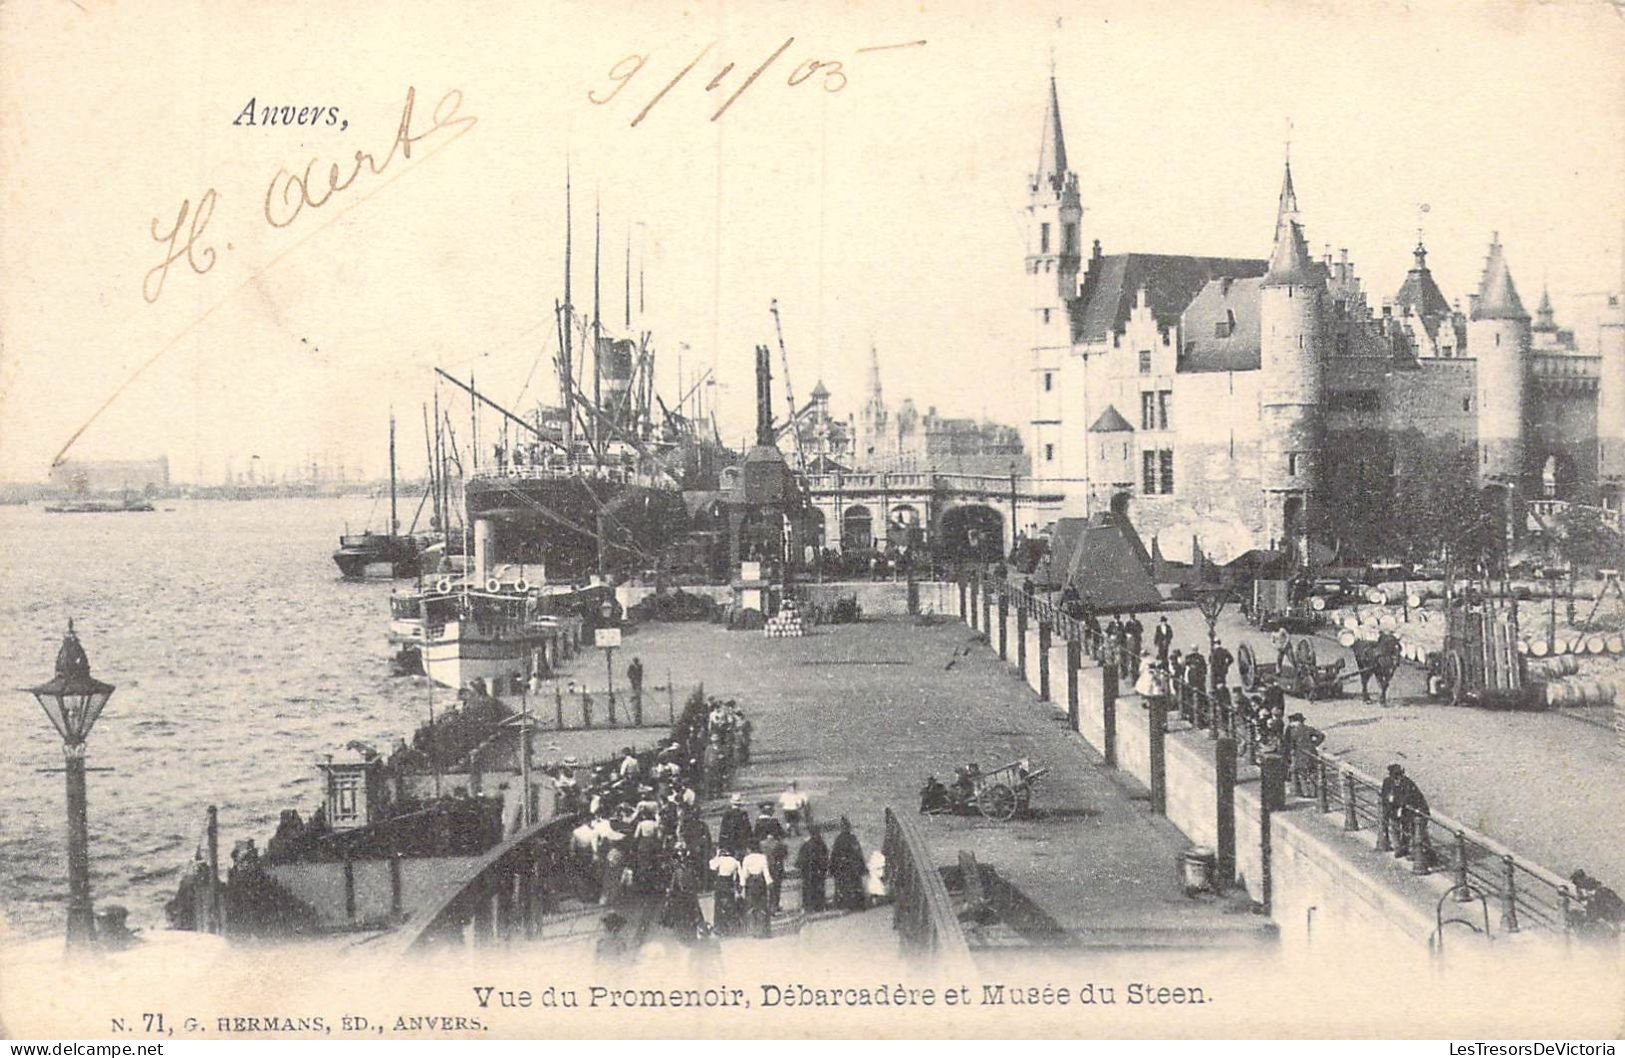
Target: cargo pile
{"points": [[788, 623]]}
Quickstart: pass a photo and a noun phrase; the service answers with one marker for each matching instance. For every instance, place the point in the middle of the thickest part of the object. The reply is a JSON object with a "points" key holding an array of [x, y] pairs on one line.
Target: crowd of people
{"points": [[643, 837]]}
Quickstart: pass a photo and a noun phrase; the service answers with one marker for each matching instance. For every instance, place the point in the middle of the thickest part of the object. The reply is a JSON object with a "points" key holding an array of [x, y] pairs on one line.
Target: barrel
{"points": [[1196, 869], [1388, 621], [1414, 600], [1377, 596], [1596, 644], [1538, 647], [1523, 646], [1560, 692], [1351, 621], [1560, 645], [1347, 637], [1316, 603], [1590, 692], [1616, 644]]}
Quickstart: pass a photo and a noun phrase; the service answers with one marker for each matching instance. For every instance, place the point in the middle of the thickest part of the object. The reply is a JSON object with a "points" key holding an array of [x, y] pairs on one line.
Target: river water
{"points": [[239, 657]]}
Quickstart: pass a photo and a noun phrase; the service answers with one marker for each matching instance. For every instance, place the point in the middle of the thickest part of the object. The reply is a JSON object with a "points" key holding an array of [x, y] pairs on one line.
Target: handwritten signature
{"points": [[290, 193], [831, 75]]}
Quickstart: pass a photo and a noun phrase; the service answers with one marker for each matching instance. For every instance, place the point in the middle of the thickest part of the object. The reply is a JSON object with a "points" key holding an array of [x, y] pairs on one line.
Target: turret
{"points": [[1611, 402], [1292, 339], [1055, 215], [1498, 339]]}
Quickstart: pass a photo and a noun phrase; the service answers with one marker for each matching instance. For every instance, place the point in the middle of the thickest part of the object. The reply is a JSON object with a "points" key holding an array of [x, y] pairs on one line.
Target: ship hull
{"points": [[575, 525], [461, 652]]}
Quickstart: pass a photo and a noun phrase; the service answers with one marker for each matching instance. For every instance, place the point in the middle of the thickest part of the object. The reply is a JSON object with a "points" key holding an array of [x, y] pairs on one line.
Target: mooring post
{"points": [[974, 603], [1271, 796], [987, 613], [1351, 817], [1043, 660], [1108, 714], [1021, 639], [1509, 895], [1074, 661], [963, 593], [1224, 799], [1004, 625], [1158, 715]]}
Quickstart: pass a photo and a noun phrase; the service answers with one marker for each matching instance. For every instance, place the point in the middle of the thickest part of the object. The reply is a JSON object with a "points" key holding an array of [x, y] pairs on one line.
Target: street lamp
{"points": [[72, 700], [1211, 602]]}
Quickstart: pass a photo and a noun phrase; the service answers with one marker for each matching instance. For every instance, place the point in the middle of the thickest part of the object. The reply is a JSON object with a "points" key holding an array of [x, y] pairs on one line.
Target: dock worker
{"points": [[1282, 641], [1601, 911], [1302, 743], [1403, 810], [1133, 638], [792, 802]]}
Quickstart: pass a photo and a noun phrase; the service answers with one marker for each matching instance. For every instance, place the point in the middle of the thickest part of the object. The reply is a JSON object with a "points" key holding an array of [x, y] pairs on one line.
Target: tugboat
{"points": [[402, 553]]}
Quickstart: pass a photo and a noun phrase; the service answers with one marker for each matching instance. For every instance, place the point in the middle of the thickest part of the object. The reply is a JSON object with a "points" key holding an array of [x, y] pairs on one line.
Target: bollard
{"points": [[1384, 825], [1509, 896], [1004, 626], [987, 614], [1021, 640], [1224, 799], [1419, 840], [1461, 860], [1159, 760], [1043, 660], [1266, 872], [1351, 818], [395, 883], [1074, 660], [1108, 715], [349, 887], [975, 606], [962, 596], [1272, 781], [1323, 792]]}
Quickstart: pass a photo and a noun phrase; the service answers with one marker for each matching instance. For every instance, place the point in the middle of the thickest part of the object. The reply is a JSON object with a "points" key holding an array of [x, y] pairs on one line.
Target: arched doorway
{"points": [[1120, 503], [1557, 477], [903, 529], [812, 528], [1292, 527], [857, 529], [972, 533]]}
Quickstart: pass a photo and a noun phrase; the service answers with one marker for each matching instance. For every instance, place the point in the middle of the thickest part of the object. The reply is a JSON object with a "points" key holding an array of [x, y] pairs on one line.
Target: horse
{"points": [[1379, 658]]}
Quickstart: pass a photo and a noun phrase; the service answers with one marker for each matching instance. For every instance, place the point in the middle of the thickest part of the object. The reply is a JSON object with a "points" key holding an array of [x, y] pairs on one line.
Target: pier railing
{"points": [[922, 911]]}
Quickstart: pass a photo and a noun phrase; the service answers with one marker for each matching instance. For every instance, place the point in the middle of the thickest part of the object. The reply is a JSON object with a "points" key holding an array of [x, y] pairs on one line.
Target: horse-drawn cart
{"points": [[998, 793], [1301, 674]]}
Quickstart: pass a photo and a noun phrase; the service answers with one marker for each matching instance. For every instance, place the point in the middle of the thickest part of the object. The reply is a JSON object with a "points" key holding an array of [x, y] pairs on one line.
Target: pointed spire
{"points": [[1290, 264], [1420, 254], [1287, 211], [874, 374], [1545, 315], [1052, 149], [1497, 296]]}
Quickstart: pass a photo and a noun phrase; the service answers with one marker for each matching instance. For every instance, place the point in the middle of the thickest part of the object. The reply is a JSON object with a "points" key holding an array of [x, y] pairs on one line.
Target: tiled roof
{"points": [[1113, 283], [1111, 421], [1497, 297], [1052, 148], [1419, 293], [1220, 302]]}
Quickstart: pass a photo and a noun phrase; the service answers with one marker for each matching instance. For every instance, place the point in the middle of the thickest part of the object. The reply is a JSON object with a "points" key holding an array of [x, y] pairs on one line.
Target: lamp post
{"points": [[1211, 602], [72, 701]]}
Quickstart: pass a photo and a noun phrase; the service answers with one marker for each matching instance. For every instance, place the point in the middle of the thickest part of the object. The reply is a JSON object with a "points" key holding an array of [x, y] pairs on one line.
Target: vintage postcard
{"points": [[534, 520]]}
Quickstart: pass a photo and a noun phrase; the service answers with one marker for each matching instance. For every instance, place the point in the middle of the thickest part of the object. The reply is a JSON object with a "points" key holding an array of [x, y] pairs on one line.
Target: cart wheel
{"points": [[1247, 664], [1304, 656], [997, 802]]}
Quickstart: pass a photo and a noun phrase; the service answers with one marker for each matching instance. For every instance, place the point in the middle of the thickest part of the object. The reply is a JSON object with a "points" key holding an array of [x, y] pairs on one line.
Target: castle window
{"points": [[1043, 238], [1049, 377], [1292, 464], [1498, 338], [1466, 404], [1148, 472], [1046, 320], [1164, 398], [1165, 467], [1148, 410], [1069, 238], [1145, 361], [1049, 453]]}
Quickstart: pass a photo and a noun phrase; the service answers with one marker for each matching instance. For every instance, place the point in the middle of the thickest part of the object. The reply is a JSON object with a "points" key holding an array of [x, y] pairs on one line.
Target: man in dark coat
{"points": [[769, 835], [1133, 641], [812, 860], [1302, 742], [1219, 662], [634, 676], [847, 864], [1403, 807], [734, 832], [1163, 639], [1195, 691]]}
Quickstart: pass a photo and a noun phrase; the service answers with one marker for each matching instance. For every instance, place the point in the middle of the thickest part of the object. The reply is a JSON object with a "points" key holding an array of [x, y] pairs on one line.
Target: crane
{"points": [[789, 396]]}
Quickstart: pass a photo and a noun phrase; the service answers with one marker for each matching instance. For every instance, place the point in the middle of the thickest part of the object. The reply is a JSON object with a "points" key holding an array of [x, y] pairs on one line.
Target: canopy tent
{"points": [[1103, 559]]}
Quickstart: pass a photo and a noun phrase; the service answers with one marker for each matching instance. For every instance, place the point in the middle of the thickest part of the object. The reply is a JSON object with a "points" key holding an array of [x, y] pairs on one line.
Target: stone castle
{"points": [[1263, 403]]}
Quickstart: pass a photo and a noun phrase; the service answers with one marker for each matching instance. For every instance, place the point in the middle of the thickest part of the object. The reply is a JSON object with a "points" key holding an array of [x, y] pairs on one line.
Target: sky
{"points": [[885, 214]]}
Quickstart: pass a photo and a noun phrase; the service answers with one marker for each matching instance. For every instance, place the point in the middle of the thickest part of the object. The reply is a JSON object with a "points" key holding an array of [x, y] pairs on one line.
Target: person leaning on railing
{"points": [[1405, 811]]}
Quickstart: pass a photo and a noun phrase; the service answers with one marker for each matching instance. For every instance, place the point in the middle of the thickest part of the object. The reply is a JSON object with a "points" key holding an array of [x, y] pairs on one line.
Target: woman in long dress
{"points": [[812, 860], [846, 863], [725, 880], [758, 879]]}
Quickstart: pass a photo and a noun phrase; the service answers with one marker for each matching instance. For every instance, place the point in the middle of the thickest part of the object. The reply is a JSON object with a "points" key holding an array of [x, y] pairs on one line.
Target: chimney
{"points": [[764, 397]]}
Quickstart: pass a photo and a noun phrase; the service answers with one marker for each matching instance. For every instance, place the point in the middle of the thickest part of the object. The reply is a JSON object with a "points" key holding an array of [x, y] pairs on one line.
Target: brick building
{"points": [[1263, 402]]}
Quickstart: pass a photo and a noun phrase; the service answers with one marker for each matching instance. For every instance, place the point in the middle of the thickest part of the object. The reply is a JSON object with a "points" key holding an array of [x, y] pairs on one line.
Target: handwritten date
{"points": [[829, 74]]}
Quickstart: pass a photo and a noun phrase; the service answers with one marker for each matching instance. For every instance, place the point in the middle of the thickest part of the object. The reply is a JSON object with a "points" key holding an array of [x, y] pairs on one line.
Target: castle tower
{"points": [[1611, 403], [872, 418], [1292, 337], [1498, 338], [1054, 241]]}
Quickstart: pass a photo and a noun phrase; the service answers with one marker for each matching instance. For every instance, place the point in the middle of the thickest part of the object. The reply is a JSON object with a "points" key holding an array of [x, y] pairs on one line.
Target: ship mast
{"points": [[394, 515], [597, 334], [566, 371]]}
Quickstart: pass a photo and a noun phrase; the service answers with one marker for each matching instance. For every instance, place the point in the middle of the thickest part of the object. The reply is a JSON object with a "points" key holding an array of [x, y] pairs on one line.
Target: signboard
{"points": [[606, 637]]}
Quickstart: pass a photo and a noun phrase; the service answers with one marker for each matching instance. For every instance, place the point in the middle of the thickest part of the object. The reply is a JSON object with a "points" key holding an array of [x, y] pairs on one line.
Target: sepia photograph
{"points": [[812, 520]]}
